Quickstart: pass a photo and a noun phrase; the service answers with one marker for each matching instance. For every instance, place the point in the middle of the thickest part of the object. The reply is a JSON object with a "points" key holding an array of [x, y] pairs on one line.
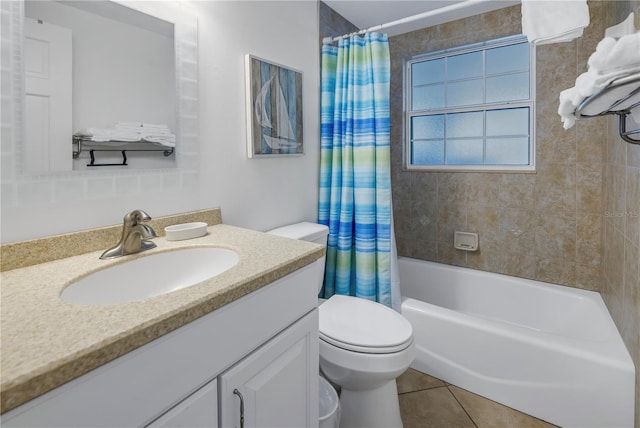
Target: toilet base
{"points": [[371, 408]]}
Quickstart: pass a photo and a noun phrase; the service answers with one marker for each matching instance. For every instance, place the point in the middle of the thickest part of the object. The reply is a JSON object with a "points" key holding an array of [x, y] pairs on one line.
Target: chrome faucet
{"points": [[134, 236]]}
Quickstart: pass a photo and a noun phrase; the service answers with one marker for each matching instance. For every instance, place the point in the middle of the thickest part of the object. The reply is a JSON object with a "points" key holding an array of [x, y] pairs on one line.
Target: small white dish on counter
{"points": [[179, 232]]}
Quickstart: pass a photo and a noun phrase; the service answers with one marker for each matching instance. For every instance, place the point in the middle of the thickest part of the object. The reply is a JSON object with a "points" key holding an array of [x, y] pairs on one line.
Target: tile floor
{"points": [[427, 402]]}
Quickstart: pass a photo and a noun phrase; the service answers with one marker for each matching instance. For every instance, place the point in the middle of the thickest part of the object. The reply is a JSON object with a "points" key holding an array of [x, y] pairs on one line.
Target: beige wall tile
{"points": [[588, 277], [517, 191], [556, 187], [530, 220], [518, 264], [589, 187], [588, 236], [620, 286], [451, 218], [424, 217], [449, 255], [517, 231], [591, 138], [633, 155], [556, 272], [555, 234], [632, 205], [488, 257]]}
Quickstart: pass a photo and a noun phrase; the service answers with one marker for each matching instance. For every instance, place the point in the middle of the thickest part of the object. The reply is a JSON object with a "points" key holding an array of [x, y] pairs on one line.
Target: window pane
{"points": [[464, 152], [426, 72], [464, 93], [427, 97], [508, 122], [473, 91], [464, 125], [424, 127], [508, 88], [508, 58], [464, 66], [427, 152], [507, 151]]}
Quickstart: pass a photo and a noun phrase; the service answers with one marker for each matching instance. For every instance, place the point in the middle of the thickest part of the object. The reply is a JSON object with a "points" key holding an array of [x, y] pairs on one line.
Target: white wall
{"points": [[256, 193], [253, 193]]}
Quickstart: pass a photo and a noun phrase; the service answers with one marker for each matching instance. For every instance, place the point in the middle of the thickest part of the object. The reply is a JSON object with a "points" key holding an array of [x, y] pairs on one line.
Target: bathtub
{"points": [[547, 350]]}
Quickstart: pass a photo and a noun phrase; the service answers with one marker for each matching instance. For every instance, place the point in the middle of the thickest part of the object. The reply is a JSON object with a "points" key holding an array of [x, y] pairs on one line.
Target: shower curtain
{"points": [[355, 182]]}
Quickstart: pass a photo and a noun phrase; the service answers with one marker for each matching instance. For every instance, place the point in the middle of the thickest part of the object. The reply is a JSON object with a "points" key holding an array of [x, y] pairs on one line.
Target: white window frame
{"points": [[530, 103]]}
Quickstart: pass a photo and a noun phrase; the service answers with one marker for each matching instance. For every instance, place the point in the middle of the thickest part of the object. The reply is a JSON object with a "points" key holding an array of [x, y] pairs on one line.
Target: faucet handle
{"points": [[136, 216]]}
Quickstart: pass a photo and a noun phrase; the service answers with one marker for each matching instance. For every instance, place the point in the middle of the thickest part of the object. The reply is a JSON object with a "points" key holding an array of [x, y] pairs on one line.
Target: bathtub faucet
{"points": [[135, 236]]}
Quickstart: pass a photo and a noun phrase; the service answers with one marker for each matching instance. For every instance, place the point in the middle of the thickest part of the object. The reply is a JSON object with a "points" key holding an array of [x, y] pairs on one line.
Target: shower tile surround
{"points": [[620, 274], [575, 222], [545, 226]]}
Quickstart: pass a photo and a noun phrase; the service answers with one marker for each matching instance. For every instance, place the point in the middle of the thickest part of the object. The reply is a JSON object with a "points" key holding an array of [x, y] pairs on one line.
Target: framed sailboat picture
{"points": [[274, 109]]}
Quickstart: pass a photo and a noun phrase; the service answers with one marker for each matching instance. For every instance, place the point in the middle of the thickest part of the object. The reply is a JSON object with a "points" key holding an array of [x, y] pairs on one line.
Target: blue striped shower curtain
{"points": [[355, 182]]}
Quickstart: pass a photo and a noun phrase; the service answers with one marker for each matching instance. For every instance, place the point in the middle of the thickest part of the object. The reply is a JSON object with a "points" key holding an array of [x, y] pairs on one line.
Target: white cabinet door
{"points": [[200, 410], [278, 382]]}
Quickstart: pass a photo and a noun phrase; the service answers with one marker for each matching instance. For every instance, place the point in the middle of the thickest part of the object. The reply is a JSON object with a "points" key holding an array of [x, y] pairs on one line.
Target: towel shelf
{"points": [[618, 97], [125, 146]]}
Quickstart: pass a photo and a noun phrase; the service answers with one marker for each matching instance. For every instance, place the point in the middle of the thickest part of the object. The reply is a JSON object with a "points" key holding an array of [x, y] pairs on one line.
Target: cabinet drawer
{"points": [[200, 410]]}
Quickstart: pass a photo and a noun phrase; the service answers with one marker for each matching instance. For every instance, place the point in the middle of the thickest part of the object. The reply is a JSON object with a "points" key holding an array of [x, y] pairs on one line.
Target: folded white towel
{"points": [[108, 134], [166, 141], [622, 29], [545, 21], [122, 133], [612, 59]]}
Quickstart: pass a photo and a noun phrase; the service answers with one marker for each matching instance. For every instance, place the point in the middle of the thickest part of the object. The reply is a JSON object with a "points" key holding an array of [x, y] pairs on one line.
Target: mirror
{"points": [[21, 188], [97, 69]]}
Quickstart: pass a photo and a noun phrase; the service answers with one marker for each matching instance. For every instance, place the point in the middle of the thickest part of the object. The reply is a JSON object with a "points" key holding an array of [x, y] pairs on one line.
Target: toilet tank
{"points": [[305, 231]]}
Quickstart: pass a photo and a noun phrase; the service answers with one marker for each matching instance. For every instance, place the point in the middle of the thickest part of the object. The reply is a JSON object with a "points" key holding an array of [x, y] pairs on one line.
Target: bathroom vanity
{"points": [[243, 344]]}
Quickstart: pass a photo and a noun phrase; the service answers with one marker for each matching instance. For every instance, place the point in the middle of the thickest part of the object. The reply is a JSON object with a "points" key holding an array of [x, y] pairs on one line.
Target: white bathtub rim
{"points": [[542, 311], [616, 354]]}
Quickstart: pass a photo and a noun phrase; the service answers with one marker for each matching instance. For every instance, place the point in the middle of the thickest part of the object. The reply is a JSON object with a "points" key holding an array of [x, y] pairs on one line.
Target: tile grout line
{"points": [[421, 389], [461, 406]]}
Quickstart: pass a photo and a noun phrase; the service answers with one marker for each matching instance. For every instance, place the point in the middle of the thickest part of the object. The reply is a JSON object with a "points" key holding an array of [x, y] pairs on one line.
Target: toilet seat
{"points": [[360, 325]]}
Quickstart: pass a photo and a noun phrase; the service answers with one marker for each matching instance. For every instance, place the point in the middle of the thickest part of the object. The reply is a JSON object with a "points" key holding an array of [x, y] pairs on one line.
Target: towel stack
{"points": [[613, 59], [121, 133], [545, 21]]}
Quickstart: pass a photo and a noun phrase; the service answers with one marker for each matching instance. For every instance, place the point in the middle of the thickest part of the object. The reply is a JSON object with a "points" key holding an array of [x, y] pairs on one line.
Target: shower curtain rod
{"points": [[435, 12]]}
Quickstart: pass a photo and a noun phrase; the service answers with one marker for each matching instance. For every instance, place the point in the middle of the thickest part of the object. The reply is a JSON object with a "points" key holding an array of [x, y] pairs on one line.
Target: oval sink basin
{"points": [[150, 276]]}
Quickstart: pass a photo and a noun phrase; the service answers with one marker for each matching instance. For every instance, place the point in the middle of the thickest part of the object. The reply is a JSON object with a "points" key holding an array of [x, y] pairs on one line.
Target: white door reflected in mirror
{"points": [[48, 97]]}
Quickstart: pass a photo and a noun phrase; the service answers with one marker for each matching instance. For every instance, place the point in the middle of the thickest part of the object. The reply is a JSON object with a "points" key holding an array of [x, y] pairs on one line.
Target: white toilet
{"points": [[364, 347]]}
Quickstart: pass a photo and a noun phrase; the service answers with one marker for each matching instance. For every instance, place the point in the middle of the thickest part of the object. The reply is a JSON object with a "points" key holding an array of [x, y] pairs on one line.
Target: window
{"points": [[472, 108]]}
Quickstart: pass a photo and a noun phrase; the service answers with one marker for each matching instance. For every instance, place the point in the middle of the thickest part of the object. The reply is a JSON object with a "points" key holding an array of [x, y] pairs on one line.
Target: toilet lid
{"points": [[361, 325]]}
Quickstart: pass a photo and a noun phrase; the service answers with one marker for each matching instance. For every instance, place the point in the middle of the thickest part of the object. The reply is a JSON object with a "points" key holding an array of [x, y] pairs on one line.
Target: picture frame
{"points": [[274, 109]]}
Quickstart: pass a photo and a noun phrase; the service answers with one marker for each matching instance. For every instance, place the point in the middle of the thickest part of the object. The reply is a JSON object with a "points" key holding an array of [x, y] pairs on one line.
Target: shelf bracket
{"points": [[93, 160]]}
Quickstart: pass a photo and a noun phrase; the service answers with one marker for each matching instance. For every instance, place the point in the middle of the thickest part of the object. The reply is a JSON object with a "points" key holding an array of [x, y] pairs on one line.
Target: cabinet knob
{"points": [[239, 394]]}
